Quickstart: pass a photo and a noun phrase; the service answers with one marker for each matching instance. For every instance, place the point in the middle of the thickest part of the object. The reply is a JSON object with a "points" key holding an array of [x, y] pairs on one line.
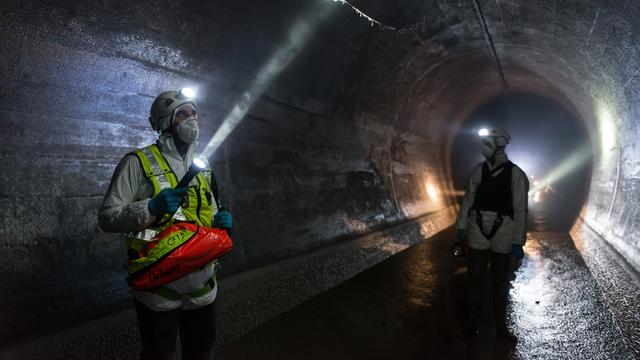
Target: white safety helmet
{"points": [[500, 136], [163, 107]]}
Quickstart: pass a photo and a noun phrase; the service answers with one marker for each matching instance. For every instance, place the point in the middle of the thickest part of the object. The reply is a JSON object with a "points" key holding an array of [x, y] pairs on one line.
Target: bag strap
{"points": [[168, 293]]}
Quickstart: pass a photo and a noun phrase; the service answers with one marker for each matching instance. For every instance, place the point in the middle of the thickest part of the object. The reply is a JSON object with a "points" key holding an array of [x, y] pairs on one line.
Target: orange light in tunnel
{"points": [[456, 193], [432, 191]]}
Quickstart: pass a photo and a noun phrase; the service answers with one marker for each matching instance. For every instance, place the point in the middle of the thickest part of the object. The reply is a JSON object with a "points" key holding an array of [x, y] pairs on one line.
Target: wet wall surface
{"points": [[410, 306], [299, 173], [619, 281], [580, 54], [346, 131]]}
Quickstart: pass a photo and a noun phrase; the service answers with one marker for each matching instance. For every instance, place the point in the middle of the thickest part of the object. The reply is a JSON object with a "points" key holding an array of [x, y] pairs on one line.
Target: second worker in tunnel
{"points": [[493, 211], [142, 190]]}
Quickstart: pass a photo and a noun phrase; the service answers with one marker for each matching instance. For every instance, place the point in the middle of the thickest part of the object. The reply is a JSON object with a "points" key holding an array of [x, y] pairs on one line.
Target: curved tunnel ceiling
{"points": [[582, 54]]}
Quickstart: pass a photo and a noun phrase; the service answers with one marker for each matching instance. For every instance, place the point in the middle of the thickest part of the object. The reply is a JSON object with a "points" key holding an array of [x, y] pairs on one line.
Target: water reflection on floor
{"points": [[409, 306], [552, 214], [558, 309]]}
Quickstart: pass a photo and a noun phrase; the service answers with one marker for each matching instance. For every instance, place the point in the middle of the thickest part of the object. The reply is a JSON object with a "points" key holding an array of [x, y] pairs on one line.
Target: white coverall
{"points": [[126, 209], [512, 231]]}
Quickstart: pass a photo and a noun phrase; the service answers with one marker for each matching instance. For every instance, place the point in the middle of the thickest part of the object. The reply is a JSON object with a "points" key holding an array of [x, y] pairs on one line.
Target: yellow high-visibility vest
{"points": [[199, 205]]}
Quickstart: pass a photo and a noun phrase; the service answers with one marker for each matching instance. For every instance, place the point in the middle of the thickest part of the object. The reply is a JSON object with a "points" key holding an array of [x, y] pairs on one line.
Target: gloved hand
{"points": [[223, 220], [517, 251], [460, 249], [167, 201]]}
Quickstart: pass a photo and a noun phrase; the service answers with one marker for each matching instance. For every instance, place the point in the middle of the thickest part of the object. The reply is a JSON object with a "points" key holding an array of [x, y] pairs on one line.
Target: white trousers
{"points": [[501, 241]]}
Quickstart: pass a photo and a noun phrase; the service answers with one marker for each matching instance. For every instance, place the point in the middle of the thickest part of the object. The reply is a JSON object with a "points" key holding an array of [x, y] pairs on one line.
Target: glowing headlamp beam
{"points": [[571, 163], [188, 93], [299, 35]]}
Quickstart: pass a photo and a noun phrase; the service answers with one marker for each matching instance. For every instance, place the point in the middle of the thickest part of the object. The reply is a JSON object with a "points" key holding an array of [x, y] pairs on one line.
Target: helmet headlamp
{"points": [[186, 93]]}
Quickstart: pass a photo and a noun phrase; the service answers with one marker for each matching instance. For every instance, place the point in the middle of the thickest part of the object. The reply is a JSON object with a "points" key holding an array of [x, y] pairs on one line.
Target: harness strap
{"points": [[486, 174], [168, 293], [497, 169], [494, 229]]}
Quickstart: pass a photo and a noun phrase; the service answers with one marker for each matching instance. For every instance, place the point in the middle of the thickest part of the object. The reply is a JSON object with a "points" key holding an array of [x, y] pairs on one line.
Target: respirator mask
{"points": [[188, 131]]}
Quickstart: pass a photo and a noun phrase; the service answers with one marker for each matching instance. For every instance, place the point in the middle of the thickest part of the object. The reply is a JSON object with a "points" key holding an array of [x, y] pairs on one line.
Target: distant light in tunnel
{"points": [[483, 132], [536, 197], [298, 36], [578, 158], [432, 192], [456, 193]]}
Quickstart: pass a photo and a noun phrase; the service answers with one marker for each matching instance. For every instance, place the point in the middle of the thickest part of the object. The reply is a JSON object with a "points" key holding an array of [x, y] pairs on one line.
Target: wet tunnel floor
{"points": [[410, 305]]}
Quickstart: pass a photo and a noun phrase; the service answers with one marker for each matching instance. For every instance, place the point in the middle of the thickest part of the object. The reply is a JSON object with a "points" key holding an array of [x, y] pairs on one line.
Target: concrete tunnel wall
{"points": [[302, 170], [582, 54], [344, 141]]}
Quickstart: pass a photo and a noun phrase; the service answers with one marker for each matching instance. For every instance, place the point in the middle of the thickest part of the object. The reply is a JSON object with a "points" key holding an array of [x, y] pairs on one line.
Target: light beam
{"points": [[571, 163], [299, 35]]}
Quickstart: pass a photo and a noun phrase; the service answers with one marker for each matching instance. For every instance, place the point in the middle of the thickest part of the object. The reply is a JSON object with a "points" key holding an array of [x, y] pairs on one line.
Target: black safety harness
{"points": [[494, 194]]}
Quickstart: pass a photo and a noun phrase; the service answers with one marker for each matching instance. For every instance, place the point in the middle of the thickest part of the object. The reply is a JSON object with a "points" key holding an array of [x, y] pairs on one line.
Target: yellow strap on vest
{"points": [[164, 166], [156, 168], [148, 170], [204, 181]]}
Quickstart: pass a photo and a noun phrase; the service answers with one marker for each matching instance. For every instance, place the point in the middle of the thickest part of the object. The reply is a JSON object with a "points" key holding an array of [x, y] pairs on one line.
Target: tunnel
{"points": [[341, 134]]}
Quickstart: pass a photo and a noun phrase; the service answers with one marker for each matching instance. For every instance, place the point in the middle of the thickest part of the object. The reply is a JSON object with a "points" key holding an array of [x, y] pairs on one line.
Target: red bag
{"points": [[175, 252]]}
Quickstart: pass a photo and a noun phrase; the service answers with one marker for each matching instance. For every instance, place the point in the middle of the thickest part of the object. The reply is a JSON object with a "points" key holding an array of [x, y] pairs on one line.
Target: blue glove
{"points": [[167, 201], [223, 220], [517, 251], [461, 235]]}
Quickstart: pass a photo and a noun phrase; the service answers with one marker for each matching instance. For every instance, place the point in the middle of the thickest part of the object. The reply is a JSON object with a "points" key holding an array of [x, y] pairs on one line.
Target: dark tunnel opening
{"points": [[545, 138]]}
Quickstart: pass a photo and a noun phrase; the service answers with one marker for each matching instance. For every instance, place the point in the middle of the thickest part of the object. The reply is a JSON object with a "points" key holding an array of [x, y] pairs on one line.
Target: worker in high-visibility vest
{"points": [[142, 192], [494, 212]]}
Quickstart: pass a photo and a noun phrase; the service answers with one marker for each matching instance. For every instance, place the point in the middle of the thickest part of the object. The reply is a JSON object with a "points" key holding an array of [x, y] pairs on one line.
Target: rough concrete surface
{"points": [[247, 299], [411, 305], [620, 282]]}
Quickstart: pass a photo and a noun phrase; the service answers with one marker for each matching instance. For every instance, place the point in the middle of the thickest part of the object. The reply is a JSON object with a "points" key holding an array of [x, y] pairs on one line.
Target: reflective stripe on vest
{"points": [[159, 173]]}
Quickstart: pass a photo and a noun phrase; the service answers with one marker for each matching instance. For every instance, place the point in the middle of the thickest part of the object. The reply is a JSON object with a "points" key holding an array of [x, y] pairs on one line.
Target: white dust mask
{"points": [[188, 130]]}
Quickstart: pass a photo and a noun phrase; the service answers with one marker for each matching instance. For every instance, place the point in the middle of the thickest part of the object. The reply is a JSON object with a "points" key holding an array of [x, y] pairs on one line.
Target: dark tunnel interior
{"points": [[544, 135], [341, 134]]}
